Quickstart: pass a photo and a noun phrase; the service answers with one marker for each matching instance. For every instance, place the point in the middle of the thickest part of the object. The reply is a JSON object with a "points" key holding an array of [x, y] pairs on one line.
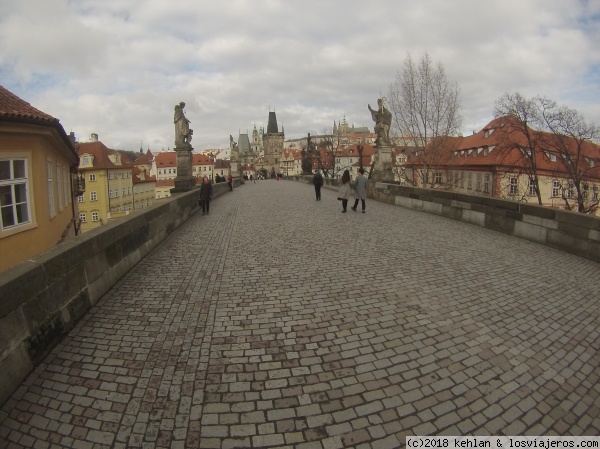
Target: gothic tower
{"points": [[273, 144]]}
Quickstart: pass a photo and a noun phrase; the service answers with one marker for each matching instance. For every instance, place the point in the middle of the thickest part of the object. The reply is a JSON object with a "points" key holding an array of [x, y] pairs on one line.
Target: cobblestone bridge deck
{"points": [[277, 321]]}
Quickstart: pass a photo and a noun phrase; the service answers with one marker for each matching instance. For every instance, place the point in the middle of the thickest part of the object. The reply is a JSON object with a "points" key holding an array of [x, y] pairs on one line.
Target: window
{"points": [[92, 177], [123, 190], [93, 196], [51, 206], [14, 195], [513, 186], [595, 193], [82, 217], [438, 178], [571, 190], [486, 183], [110, 194], [66, 180], [478, 182], [531, 189], [555, 188], [86, 160], [469, 180], [80, 199], [584, 191], [59, 185], [95, 216]]}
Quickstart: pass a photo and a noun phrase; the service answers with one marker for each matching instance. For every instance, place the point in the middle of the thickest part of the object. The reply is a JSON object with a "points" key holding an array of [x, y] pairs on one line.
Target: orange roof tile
{"points": [[14, 107]]}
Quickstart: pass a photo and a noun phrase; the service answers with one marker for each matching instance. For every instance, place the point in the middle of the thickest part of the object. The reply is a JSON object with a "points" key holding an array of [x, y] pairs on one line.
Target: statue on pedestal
{"points": [[383, 120], [183, 133], [382, 159], [184, 180]]}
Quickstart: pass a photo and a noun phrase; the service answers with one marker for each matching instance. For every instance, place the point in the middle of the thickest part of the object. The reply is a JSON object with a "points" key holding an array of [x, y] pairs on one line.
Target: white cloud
{"points": [[117, 68]]}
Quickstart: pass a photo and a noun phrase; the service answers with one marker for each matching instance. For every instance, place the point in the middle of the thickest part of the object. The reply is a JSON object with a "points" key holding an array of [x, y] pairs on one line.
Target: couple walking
{"points": [[360, 190]]}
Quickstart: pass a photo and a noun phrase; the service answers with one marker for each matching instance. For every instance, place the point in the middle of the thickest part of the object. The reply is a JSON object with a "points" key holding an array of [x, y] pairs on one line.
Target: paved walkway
{"points": [[277, 321]]}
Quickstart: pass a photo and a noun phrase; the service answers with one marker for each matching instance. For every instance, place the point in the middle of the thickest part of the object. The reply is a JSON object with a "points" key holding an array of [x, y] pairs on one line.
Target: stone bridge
{"points": [[277, 321]]}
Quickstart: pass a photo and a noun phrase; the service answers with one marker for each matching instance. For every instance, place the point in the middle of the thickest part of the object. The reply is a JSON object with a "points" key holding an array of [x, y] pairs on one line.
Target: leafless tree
{"points": [[326, 153], [552, 131], [425, 105], [569, 135], [520, 132]]}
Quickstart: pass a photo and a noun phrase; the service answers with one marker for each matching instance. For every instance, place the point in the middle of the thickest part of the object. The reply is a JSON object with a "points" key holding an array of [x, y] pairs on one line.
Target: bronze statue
{"points": [[383, 120], [183, 133]]}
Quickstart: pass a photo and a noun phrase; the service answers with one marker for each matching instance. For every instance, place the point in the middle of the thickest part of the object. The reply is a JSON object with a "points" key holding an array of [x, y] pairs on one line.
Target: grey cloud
{"points": [[118, 68]]}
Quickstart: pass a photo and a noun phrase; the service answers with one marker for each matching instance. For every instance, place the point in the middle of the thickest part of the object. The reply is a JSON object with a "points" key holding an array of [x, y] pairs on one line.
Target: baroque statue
{"points": [[183, 133], [383, 120]]}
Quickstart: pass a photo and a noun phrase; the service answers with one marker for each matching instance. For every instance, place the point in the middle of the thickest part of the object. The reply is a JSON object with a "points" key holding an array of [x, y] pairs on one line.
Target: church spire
{"points": [[272, 124]]}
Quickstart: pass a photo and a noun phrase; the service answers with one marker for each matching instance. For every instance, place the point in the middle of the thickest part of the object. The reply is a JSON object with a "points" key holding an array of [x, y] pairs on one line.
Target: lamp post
{"points": [[360, 149]]}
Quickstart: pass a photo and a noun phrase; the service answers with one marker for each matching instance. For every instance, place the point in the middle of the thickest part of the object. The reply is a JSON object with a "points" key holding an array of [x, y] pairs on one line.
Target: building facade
{"points": [[37, 166]]}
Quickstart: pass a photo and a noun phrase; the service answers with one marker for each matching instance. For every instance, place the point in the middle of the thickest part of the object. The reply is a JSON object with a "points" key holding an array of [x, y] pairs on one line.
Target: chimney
{"points": [[94, 137]]}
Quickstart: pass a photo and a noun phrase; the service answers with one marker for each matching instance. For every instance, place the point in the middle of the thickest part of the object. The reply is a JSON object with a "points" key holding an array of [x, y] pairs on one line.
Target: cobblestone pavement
{"points": [[277, 321]]}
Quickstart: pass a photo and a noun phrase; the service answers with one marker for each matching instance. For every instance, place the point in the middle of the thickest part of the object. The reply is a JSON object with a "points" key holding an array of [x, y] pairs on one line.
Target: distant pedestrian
{"points": [[360, 190], [230, 182], [206, 193], [318, 183], [345, 190]]}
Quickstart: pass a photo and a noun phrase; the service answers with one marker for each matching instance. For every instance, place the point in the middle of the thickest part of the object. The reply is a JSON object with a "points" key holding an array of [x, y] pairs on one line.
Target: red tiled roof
{"points": [[499, 144], [166, 159], [100, 153], [165, 183], [201, 159], [13, 107], [169, 159]]}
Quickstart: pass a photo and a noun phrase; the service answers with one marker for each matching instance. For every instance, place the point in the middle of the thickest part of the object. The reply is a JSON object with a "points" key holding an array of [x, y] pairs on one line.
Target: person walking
{"points": [[360, 190], [230, 182], [206, 193], [318, 183], [345, 190]]}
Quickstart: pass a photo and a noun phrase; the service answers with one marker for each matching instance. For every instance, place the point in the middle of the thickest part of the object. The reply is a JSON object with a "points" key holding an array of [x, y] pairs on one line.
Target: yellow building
{"points": [[144, 189], [109, 185], [37, 160]]}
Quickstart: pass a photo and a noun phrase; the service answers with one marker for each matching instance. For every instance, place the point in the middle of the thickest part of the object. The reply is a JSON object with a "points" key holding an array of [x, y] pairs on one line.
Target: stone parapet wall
{"points": [[42, 298], [567, 231]]}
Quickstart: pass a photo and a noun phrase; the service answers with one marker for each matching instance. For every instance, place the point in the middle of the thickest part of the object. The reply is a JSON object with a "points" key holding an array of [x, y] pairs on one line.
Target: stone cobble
{"points": [[276, 321]]}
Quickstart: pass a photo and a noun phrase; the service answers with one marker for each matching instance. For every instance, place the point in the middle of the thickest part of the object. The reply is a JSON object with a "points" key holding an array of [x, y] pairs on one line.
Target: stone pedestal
{"points": [[234, 169], [184, 180], [383, 164]]}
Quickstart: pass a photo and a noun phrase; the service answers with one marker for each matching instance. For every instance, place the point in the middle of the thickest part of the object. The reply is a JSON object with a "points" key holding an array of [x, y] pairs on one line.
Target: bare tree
{"points": [[542, 129], [569, 137], [326, 153], [523, 119], [426, 108]]}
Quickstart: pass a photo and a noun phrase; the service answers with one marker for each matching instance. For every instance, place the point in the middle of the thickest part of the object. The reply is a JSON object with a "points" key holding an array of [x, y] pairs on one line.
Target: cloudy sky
{"points": [[118, 67]]}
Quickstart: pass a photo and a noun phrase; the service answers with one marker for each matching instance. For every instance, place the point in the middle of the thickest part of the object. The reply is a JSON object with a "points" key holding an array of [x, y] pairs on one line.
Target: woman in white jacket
{"points": [[345, 190]]}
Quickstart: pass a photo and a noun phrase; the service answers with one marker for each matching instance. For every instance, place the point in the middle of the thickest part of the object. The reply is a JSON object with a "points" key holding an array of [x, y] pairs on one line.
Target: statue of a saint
{"points": [[383, 120], [183, 133]]}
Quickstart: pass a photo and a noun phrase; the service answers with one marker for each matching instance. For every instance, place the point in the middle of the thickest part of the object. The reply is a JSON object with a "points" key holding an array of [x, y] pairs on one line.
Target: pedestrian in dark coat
{"points": [[206, 192], [318, 183]]}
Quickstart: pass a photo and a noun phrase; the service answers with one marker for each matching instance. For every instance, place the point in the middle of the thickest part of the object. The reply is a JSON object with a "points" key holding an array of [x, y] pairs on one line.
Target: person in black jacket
{"points": [[318, 183], [206, 192]]}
